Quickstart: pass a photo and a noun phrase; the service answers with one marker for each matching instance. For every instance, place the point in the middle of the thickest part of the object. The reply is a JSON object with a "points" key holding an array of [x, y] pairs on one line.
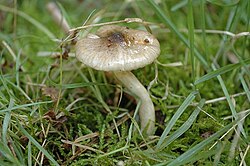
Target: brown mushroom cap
{"points": [[116, 48]]}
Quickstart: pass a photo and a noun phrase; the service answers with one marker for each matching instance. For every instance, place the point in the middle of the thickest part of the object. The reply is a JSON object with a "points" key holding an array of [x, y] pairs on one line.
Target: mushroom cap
{"points": [[117, 48]]}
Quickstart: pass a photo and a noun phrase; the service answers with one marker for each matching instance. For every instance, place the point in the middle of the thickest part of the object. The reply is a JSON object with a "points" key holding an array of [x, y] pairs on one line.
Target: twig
{"points": [[210, 101], [221, 98], [82, 146], [211, 31], [126, 20], [174, 64], [52, 54], [244, 156]]}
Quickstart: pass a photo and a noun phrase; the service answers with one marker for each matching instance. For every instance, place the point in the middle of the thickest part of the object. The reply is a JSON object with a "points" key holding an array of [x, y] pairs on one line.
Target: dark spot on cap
{"points": [[117, 38], [146, 40]]}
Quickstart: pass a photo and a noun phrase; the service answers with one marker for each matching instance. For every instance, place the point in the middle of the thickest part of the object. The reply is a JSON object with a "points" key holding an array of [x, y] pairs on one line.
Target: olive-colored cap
{"points": [[117, 48]]}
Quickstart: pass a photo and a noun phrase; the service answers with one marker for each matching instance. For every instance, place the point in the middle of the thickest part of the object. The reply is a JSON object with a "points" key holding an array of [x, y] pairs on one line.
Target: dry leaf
{"points": [[50, 115], [51, 92]]}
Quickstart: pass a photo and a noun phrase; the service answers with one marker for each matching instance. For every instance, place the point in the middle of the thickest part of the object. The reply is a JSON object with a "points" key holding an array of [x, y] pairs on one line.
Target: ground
{"points": [[56, 111]]}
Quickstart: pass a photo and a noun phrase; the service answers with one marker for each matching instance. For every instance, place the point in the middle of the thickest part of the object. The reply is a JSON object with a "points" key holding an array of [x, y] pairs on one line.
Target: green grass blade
{"points": [[224, 3], [4, 84], [176, 116], [24, 105], [185, 126], [30, 19], [80, 85], [18, 66], [97, 91], [64, 13], [8, 156], [188, 155], [6, 163], [202, 155], [19, 89], [230, 103], [92, 84], [191, 36], [29, 154], [203, 28], [244, 48], [172, 27], [37, 145], [221, 71], [179, 5], [245, 87], [6, 122], [18, 151], [113, 152]]}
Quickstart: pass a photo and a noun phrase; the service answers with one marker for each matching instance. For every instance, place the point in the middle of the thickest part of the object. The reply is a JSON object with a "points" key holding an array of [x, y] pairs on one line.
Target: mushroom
{"points": [[120, 50]]}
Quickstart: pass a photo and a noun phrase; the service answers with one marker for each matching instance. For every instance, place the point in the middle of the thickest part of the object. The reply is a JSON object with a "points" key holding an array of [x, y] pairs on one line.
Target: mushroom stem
{"points": [[146, 110]]}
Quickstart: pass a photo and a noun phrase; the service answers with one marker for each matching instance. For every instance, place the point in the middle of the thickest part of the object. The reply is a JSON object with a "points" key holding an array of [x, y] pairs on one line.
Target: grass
{"points": [[54, 111]]}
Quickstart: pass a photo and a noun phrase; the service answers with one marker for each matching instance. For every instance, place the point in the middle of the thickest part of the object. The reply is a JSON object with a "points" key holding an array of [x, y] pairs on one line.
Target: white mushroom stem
{"points": [[146, 110]]}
